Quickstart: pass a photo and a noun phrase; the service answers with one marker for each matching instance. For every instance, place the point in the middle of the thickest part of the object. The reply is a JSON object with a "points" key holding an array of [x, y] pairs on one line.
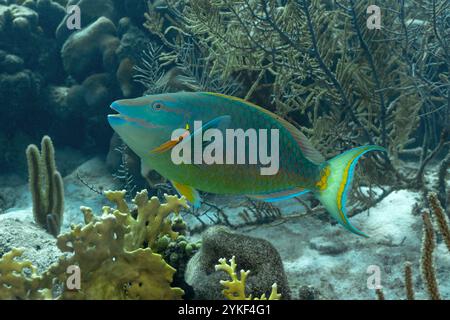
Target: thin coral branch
{"points": [[426, 262], [409, 284]]}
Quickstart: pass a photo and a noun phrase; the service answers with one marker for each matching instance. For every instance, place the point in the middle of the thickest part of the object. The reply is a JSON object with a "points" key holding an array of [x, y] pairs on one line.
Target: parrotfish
{"points": [[147, 125]]}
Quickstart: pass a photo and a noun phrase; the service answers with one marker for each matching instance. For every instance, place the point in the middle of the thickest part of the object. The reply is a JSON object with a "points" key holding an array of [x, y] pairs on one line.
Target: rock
{"points": [[21, 25], [50, 15], [99, 91], [134, 9], [327, 246], [21, 12], [256, 255], [133, 42], [40, 246], [75, 97], [90, 11], [55, 99], [94, 46], [125, 76], [123, 26], [308, 293], [19, 87], [11, 64]]}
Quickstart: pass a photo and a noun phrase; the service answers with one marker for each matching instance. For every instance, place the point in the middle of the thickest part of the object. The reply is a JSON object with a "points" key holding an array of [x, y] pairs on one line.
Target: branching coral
{"points": [[109, 270], [113, 253], [440, 217], [46, 186], [151, 221], [428, 247], [426, 261], [235, 289], [18, 279], [409, 285]]}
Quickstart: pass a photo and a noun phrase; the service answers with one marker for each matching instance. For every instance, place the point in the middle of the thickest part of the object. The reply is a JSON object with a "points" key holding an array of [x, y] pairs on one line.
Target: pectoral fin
{"points": [[166, 146], [191, 194], [220, 123]]}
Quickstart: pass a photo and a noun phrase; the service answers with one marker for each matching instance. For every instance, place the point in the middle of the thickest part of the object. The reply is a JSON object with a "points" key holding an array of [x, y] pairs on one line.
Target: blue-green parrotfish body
{"points": [[147, 125]]}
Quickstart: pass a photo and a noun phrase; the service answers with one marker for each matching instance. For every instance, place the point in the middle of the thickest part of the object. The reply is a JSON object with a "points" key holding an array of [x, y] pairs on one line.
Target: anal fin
{"points": [[280, 195]]}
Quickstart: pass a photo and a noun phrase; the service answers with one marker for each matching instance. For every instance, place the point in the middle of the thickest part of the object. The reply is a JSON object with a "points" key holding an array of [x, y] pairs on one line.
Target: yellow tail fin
{"points": [[333, 194]]}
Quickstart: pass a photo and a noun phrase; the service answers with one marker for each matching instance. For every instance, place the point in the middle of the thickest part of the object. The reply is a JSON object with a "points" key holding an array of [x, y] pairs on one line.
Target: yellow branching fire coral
{"points": [[235, 289], [18, 279], [109, 253], [151, 221]]}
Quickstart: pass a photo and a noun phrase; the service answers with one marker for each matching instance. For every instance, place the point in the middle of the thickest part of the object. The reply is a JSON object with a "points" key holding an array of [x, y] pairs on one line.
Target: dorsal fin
{"points": [[305, 145]]}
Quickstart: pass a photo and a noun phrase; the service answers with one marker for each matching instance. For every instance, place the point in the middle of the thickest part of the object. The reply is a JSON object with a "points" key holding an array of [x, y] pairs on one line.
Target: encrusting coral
{"points": [[46, 186], [235, 289]]}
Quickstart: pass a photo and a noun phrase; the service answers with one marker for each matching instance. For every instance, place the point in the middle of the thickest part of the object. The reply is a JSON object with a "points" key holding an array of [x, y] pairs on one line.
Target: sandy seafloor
{"points": [[314, 252]]}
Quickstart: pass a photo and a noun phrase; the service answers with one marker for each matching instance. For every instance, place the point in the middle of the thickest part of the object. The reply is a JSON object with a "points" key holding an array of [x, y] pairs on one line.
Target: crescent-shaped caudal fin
{"points": [[333, 192]]}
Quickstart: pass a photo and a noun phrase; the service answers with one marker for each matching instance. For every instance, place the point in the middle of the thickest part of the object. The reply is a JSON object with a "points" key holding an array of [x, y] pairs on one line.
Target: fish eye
{"points": [[157, 106]]}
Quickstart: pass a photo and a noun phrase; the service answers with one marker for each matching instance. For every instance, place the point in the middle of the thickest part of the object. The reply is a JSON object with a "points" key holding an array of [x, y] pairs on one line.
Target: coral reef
{"points": [[90, 11], [151, 219], [90, 49], [235, 289], [110, 270], [46, 186], [177, 253], [112, 251], [63, 80], [313, 62], [254, 254]]}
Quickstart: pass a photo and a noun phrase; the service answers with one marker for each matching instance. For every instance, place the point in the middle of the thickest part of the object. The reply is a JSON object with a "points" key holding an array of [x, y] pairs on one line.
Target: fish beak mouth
{"points": [[118, 118], [127, 115]]}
